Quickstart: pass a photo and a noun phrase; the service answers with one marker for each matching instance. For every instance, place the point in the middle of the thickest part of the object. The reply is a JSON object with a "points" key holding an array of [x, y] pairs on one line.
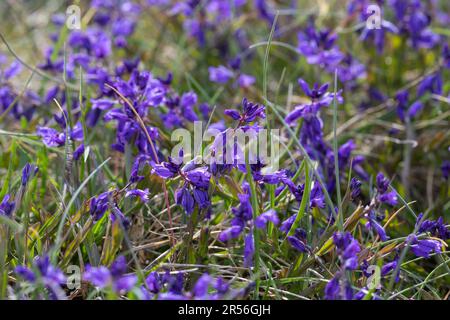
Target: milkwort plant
{"points": [[356, 207]]}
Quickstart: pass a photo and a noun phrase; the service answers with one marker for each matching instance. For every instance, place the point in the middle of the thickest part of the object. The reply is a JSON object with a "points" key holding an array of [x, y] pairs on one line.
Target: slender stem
{"points": [[336, 156]]}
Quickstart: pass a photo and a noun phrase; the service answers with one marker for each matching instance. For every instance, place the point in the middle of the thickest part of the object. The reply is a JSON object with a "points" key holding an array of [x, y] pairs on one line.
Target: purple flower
{"points": [[202, 285], [201, 197], [78, 152], [245, 210], [388, 267], [185, 199], [263, 10], [431, 83], [319, 96], [52, 277], [445, 168], [423, 248], [117, 215], [28, 172], [14, 69], [382, 183], [287, 224], [140, 161], [332, 289], [344, 153], [199, 177], [249, 249], [318, 46], [51, 137], [187, 103], [7, 206], [99, 276], [262, 220], [98, 205], [246, 81], [414, 109], [251, 111], [154, 282], [124, 283], [389, 198], [113, 277], [165, 170], [373, 224], [414, 21], [348, 249], [446, 55], [25, 273], [355, 187], [142, 194], [102, 104], [297, 244], [436, 227], [196, 182], [220, 74], [402, 102], [349, 70], [317, 198], [230, 233]]}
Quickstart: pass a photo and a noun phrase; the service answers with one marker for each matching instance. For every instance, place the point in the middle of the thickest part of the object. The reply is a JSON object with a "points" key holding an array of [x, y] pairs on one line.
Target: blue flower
{"points": [[154, 282], [185, 199], [198, 177], [79, 151], [245, 80], [195, 185], [332, 289], [319, 96], [382, 183], [106, 201], [220, 74], [262, 220], [28, 172], [51, 137], [251, 111], [436, 227], [297, 244], [423, 248], [384, 196], [187, 103], [113, 277], [231, 233], [318, 46], [445, 168], [388, 267], [372, 223], [202, 285], [7, 206], [348, 249], [98, 205], [142, 194], [43, 271], [415, 109], [389, 198], [249, 249], [355, 187]]}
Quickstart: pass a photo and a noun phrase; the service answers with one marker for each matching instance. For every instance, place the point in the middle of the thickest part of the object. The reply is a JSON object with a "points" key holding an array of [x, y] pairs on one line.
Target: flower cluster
{"points": [[331, 211], [44, 273]]}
